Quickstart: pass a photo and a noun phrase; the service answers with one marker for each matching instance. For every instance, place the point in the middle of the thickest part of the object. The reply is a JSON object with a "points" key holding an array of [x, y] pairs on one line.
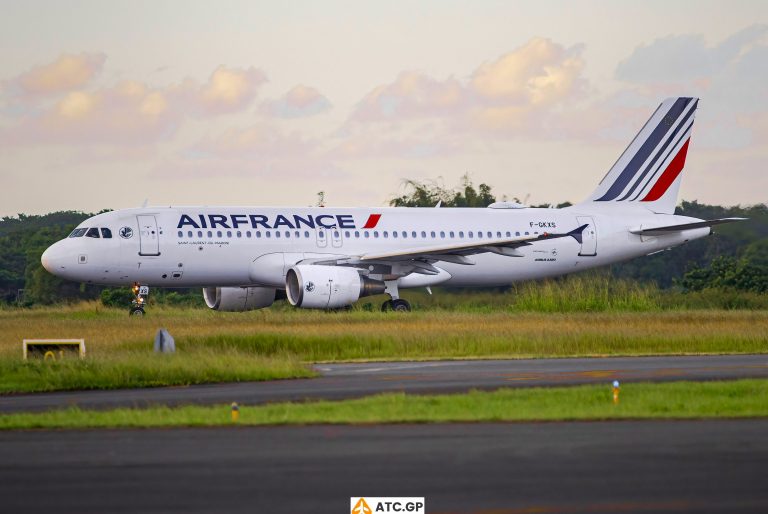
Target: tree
{"points": [[428, 194]]}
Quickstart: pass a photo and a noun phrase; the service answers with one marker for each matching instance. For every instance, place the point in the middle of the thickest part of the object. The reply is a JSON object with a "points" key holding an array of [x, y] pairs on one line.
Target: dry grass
{"points": [[313, 336]]}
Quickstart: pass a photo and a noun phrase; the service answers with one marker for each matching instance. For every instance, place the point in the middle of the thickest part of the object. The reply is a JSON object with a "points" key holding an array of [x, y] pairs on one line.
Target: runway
{"points": [[647, 466], [338, 381]]}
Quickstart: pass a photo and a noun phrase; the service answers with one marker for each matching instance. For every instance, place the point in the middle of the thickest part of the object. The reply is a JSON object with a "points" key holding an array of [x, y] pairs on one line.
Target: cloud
{"points": [[66, 73], [512, 94], [260, 150], [301, 101], [411, 95], [227, 90], [729, 76], [127, 113], [687, 57]]}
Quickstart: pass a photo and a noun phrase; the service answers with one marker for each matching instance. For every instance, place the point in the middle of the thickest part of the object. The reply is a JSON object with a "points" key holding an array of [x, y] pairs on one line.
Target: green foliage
{"points": [[428, 194], [676, 400], [584, 293], [117, 297], [143, 368]]}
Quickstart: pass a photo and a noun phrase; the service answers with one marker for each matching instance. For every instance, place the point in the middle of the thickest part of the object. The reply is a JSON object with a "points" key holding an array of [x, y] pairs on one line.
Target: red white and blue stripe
{"points": [[655, 158]]}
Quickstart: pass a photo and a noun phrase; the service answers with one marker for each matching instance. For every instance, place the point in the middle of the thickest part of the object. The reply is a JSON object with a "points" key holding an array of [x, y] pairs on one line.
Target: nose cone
{"points": [[52, 259]]}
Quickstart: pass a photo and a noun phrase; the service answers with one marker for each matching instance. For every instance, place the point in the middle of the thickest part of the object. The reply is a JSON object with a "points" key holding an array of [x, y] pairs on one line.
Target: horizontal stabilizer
{"points": [[577, 232], [648, 231]]}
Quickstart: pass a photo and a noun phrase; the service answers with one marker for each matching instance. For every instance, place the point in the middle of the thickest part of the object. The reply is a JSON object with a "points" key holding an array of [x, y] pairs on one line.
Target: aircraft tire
{"points": [[401, 305], [136, 311]]}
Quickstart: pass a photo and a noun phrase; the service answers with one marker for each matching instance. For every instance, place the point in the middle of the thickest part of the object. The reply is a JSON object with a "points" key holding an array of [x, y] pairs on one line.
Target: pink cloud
{"points": [[127, 113], [301, 101], [513, 93], [66, 73]]}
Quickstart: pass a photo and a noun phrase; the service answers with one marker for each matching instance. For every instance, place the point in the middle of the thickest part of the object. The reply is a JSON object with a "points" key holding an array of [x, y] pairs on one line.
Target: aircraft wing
{"points": [[504, 246], [650, 231], [418, 260]]}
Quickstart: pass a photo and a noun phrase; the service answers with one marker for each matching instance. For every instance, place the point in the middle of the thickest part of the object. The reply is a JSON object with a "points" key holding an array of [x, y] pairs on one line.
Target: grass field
{"points": [[679, 400], [267, 344]]}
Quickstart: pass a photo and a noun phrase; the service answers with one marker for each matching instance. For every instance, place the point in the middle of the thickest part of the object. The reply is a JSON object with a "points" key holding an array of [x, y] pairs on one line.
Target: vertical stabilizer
{"points": [[650, 169]]}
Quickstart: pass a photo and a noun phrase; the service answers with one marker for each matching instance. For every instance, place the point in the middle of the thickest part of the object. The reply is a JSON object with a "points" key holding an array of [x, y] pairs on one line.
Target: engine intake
{"points": [[327, 287], [238, 299]]}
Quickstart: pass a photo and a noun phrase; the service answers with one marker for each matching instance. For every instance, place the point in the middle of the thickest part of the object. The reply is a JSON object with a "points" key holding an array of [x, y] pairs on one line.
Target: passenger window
{"points": [[92, 232], [527, 234], [442, 234], [239, 234], [199, 233], [287, 233], [508, 234], [375, 233], [498, 234], [106, 233], [180, 234], [248, 234], [258, 234], [336, 234], [517, 233], [386, 234], [277, 233], [451, 234], [189, 233], [219, 234], [470, 234], [267, 234], [479, 234], [366, 235], [404, 233], [306, 233], [413, 234], [357, 234], [490, 234], [210, 234], [432, 234], [297, 234], [461, 234], [394, 233], [423, 234]]}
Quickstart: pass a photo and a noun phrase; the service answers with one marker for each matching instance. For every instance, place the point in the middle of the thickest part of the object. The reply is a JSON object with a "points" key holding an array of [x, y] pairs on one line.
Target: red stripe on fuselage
{"points": [[669, 175], [373, 220]]}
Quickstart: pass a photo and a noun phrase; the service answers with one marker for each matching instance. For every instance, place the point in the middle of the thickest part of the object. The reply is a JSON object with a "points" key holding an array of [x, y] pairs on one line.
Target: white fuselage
{"points": [[254, 246]]}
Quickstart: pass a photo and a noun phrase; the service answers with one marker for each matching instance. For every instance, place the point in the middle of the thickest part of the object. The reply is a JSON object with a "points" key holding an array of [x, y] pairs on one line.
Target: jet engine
{"points": [[237, 299], [327, 287]]}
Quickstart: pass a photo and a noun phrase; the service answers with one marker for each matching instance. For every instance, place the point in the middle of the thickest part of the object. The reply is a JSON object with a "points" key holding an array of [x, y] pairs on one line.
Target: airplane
{"points": [[245, 258]]}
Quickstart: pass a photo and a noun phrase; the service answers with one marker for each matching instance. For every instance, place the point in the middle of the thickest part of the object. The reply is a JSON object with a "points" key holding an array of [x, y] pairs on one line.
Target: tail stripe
{"points": [[655, 163], [648, 146], [673, 151], [669, 175]]}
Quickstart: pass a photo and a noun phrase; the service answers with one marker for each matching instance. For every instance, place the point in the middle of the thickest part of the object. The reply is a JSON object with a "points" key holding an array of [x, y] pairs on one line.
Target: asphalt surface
{"points": [[355, 380], [648, 466]]}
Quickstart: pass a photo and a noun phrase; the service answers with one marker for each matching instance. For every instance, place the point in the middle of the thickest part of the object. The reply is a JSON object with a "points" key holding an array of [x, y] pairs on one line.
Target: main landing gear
{"points": [[137, 304], [395, 303]]}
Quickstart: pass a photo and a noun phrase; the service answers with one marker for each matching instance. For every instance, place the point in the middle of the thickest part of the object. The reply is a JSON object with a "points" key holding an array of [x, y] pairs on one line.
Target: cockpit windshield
{"points": [[92, 232]]}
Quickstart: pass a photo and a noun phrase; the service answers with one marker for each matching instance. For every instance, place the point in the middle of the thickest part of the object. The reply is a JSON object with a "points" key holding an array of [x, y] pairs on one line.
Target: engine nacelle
{"points": [[237, 299], [327, 287]]}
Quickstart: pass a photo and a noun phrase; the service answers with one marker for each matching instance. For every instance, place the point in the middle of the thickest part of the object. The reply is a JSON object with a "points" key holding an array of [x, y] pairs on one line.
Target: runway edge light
{"points": [[615, 391]]}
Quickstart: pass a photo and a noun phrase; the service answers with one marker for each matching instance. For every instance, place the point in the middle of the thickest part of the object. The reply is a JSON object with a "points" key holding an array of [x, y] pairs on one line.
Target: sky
{"points": [[114, 104]]}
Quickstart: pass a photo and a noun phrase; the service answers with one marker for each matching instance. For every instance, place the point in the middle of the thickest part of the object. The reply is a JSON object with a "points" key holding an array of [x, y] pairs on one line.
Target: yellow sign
{"points": [[361, 507]]}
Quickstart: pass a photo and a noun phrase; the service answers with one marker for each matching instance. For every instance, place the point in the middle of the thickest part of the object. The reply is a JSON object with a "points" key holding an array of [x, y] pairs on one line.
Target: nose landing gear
{"points": [[137, 304]]}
